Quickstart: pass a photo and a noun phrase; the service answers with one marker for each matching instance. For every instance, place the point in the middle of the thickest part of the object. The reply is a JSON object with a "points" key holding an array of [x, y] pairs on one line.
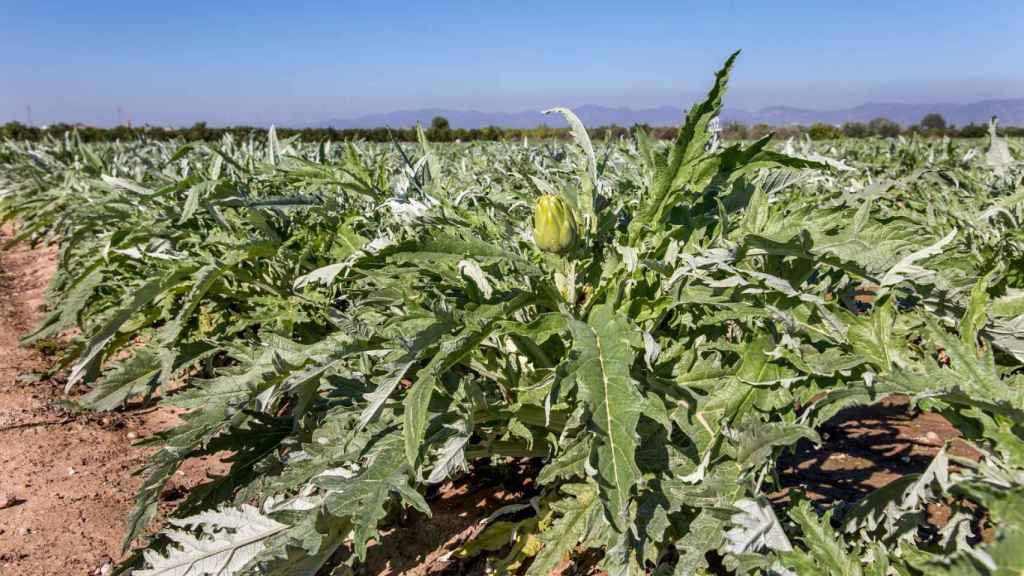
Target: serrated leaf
{"points": [[758, 441], [689, 144], [613, 402], [142, 297], [823, 544], [363, 497], [229, 538], [578, 513], [755, 528]]}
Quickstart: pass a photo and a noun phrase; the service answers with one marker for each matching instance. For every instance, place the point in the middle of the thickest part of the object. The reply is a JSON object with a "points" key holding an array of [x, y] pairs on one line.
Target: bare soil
{"points": [[422, 546], [867, 447], [67, 483]]}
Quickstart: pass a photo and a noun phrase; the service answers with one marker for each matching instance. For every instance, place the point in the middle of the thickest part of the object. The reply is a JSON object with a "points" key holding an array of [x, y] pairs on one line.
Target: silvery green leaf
{"points": [[228, 539], [651, 350], [998, 155], [614, 404], [471, 269], [755, 528], [451, 458], [907, 269]]}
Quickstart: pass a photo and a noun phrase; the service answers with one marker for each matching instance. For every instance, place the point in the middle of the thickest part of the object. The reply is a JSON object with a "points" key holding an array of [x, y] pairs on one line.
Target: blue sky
{"points": [[300, 62]]}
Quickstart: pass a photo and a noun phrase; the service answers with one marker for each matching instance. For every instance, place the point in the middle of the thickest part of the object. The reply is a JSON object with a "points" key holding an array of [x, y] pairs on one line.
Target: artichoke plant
{"points": [[554, 226]]}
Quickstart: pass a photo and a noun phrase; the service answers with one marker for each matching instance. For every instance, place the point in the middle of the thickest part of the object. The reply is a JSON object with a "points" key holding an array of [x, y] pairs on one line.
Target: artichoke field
{"points": [[652, 324]]}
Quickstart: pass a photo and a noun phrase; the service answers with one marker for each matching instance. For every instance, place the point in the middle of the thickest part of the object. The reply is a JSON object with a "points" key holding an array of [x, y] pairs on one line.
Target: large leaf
{"points": [[689, 145], [451, 351], [613, 404], [143, 296], [364, 496], [229, 539]]}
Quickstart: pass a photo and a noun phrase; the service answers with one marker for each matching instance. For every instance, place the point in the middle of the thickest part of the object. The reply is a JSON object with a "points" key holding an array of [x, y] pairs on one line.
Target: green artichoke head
{"points": [[554, 225]]}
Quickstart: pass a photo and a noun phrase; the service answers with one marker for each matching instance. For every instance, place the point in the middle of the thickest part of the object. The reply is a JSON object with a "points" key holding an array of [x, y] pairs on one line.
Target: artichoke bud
{"points": [[554, 226]]}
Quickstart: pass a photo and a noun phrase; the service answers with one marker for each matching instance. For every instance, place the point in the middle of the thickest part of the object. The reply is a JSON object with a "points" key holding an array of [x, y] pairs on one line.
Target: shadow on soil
{"points": [[419, 545], [864, 448]]}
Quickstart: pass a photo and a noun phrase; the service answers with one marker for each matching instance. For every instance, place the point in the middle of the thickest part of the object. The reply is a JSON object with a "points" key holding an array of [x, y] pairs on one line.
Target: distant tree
{"points": [[201, 132], [439, 123], [855, 130], [933, 121], [822, 131], [493, 133], [884, 127], [198, 133], [17, 131], [973, 130], [735, 131], [760, 130]]}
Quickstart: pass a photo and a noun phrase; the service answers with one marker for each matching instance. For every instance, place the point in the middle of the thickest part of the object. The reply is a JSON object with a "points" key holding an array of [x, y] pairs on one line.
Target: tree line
{"points": [[932, 124], [440, 131]]}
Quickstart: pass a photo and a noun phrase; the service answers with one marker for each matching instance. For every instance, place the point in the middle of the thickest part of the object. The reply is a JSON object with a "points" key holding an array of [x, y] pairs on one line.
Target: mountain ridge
{"points": [[1009, 110]]}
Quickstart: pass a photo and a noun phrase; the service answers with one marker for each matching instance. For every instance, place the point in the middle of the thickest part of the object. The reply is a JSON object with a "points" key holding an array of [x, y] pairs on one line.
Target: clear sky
{"points": [[295, 62]]}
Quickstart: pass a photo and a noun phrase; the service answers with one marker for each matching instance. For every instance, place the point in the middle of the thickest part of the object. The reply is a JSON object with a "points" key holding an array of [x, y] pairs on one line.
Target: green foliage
{"points": [[439, 123], [855, 130], [884, 127], [822, 131], [354, 322], [933, 121], [443, 132]]}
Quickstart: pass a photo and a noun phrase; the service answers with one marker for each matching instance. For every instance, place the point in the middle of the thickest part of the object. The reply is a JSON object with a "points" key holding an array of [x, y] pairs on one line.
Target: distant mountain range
{"points": [[1010, 113]]}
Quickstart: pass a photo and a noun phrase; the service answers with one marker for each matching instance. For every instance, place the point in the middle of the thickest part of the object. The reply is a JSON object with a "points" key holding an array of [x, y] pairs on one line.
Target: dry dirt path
{"points": [[66, 483]]}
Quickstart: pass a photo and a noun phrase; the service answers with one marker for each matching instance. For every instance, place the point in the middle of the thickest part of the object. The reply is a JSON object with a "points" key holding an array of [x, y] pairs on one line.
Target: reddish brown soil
{"points": [[426, 546], [66, 483], [422, 546], [865, 448]]}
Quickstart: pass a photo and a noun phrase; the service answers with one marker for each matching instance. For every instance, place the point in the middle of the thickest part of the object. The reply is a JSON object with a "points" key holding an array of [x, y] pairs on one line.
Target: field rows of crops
{"points": [[357, 322]]}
